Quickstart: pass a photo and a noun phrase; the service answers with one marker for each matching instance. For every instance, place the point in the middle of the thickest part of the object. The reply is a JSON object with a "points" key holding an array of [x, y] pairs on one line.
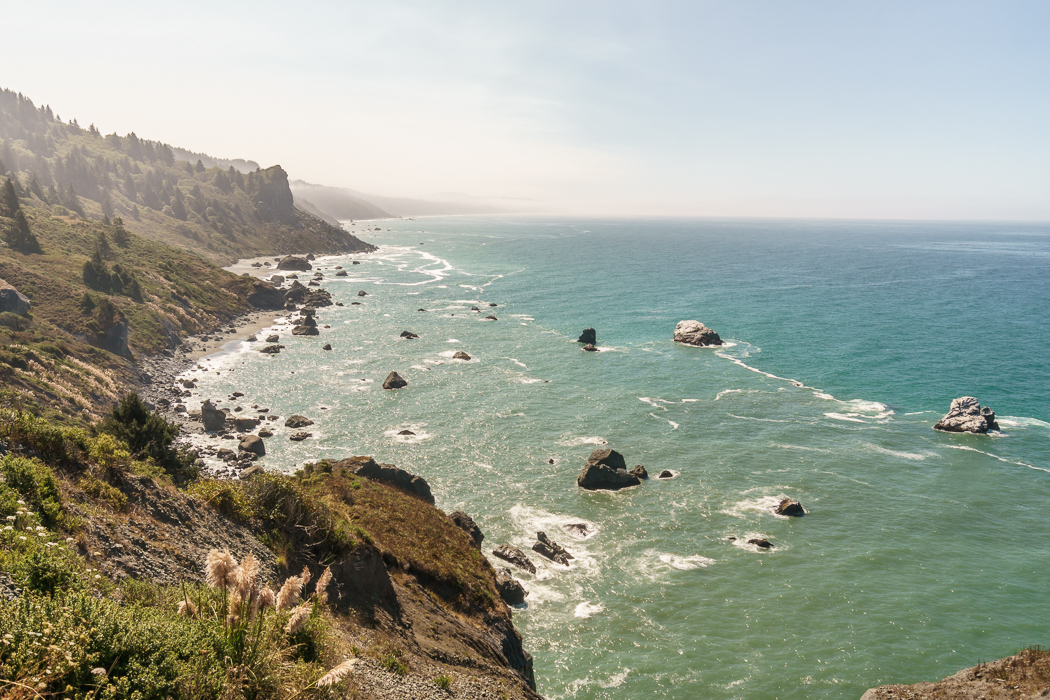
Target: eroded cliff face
{"points": [[1024, 676], [273, 199]]}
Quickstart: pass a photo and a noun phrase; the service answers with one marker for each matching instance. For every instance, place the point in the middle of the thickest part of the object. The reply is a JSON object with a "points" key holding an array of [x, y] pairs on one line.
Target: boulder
{"points": [[460, 355], [271, 349], [640, 472], [272, 338], [388, 474], [328, 346], [588, 337], [394, 381], [245, 424], [293, 263], [265, 296], [466, 523], [264, 433], [213, 418], [552, 550], [297, 421], [405, 432], [299, 437], [965, 415], [515, 556], [12, 300], [695, 333], [341, 273], [226, 454], [252, 444], [250, 472], [606, 470], [760, 543], [666, 474], [277, 280], [590, 348], [310, 257], [362, 293], [490, 317], [408, 335], [115, 339], [306, 330], [355, 262], [790, 507], [510, 589]]}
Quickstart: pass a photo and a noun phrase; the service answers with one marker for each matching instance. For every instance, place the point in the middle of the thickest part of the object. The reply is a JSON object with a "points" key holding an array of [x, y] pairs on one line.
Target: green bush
{"points": [[53, 444], [36, 484], [227, 497], [146, 433]]}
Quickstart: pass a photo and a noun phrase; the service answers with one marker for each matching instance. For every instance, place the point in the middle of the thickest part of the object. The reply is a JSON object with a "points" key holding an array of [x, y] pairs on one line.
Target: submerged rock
{"points": [[362, 293], [460, 355], [408, 335], [695, 333], [272, 338], [790, 507], [965, 415], [589, 336], [760, 543], [271, 349], [299, 437], [406, 432], [490, 317], [590, 348], [666, 474], [515, 556], [394, 381], [578, 529], [606, 470]]}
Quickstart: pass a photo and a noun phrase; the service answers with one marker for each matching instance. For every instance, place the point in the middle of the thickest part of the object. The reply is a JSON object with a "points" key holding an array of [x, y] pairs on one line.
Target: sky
{"points": [[767, 108]]}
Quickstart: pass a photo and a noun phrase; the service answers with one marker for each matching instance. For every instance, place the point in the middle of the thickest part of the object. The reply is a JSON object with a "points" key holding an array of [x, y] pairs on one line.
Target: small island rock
{"points": [[790, 507], [394, 381], [460, 355], [606, 470], [965, 415], [515, 556], [588, 337], [695, 333], [297, 421]]}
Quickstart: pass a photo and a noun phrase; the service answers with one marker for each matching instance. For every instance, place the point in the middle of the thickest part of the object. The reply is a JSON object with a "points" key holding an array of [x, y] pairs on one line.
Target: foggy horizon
{"points": [[901, 111]]}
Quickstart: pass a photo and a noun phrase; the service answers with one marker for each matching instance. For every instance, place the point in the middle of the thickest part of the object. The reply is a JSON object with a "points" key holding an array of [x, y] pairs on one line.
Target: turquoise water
{"points": [[922, 552]]}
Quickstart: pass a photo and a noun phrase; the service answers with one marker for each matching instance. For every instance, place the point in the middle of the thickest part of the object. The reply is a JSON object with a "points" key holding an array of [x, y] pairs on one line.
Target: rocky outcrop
{"points": [[589, 337], [213, 418], [510, 589], [695, 333], [761, 543], [640, 472], [394, 381], [466, 523], [265, 296], [271, 349], [791, 508], [300, 436], [293, 263], [12, 300], [1024, 676], [590, 348], [515, 556], [246, 424], [606, 470], [547, 547], [115, 338], [965, 415], [304, 296], [388, 474]]}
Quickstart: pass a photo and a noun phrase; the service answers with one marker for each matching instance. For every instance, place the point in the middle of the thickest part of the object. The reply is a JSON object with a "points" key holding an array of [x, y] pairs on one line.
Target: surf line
{"points": [[1001, 459]]}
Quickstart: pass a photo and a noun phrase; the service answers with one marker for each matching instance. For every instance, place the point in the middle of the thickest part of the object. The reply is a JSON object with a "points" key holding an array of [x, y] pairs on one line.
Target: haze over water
{"points": [[921, 553]]}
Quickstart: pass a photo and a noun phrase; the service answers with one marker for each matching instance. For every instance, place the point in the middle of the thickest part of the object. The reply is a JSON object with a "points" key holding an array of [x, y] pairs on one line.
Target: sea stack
{"points": [[394, 381], [606, 470], [965, 415], [588, 337], [695, 333]]}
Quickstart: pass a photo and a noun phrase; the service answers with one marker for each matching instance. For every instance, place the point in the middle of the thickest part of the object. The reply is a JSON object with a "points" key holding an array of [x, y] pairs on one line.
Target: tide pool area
{"points": [[921, 552]]}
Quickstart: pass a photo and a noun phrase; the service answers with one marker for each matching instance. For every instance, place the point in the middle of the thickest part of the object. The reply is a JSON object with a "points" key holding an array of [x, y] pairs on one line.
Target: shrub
{"points": [[53, 444], [104, 492], [35, 483], [146, 433], [226, 497], [443, 681]]}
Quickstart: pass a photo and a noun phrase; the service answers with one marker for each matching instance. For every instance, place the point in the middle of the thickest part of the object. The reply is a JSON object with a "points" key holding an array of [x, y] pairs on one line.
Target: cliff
{"points": [[1024, 676]]}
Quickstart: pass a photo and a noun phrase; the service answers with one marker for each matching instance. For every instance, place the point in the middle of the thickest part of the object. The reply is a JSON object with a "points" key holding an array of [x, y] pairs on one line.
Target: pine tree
{"points": [[178, 205], [102, 246], [120, 234], [200, 166], [16, 233]]}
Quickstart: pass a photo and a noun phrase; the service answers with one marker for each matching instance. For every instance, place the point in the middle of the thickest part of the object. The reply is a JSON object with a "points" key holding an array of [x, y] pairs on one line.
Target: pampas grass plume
{"points": [[298, 619], [320, 590], [337, 674], [221, 569], [289, 593]]}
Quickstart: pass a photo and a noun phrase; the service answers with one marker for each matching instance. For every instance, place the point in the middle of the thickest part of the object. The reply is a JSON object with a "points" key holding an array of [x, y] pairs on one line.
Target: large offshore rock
{"points": [[695, 333], [965, 415], [293, 263], [265, 296], [606, 470], [588, 337], [394, 381]]}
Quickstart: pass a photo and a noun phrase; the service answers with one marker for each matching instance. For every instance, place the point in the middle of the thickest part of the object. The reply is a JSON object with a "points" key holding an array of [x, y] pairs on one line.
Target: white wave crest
{"points": [[586, 609], [689, 563]]}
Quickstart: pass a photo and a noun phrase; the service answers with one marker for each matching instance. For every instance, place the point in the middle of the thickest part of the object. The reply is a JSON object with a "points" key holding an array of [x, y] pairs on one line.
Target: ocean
{"points": [[921, 552]]}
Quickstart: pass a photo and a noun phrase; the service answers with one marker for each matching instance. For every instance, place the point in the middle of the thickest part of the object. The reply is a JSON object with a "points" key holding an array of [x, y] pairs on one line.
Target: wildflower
{"points": [[8, 528], [39, 528], [221, 569], [298, 619], [337, 674], [10, 518], [289, 593], [41, 534], [21, 503], [22, 537]]}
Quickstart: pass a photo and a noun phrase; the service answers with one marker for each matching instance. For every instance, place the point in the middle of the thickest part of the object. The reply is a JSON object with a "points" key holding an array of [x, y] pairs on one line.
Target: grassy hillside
{"points": [[220, 215]]}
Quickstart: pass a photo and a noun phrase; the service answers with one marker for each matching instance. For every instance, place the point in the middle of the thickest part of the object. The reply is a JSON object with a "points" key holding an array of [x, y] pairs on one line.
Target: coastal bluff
{"points": [[1023, 676]]}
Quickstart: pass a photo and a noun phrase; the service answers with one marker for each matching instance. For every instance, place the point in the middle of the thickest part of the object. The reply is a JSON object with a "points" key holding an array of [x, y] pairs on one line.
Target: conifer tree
{"points": [[120, 234], [16, 233]]}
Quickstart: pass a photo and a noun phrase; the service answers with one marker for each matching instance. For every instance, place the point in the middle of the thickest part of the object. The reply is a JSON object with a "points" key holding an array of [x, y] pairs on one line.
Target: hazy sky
{"points": [[914, 109]]}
